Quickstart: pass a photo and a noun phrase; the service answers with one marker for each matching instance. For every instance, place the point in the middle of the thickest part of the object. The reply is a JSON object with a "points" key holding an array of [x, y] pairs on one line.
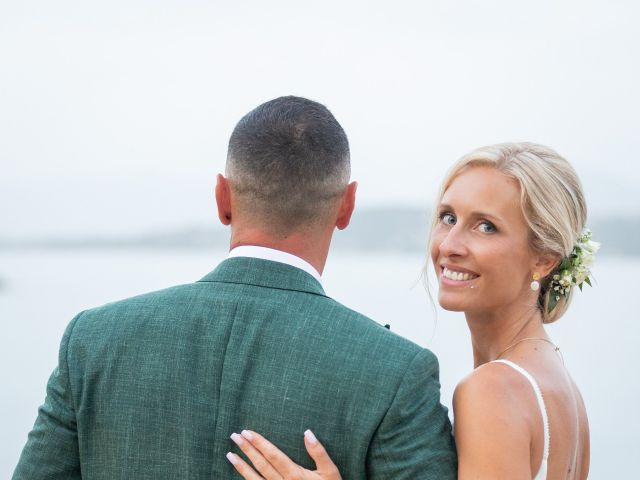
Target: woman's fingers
{"points": [[282, 464], [273, 464], [324, 465], [260, 463], [243, 467]]}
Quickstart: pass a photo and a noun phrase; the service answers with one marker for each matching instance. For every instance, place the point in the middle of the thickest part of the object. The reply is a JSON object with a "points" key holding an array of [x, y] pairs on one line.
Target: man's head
{"points": [[288, 165]]}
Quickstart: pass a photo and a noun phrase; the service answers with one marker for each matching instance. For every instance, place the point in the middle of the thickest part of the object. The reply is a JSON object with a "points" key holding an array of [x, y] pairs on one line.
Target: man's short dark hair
{"points": [[288, 161]]}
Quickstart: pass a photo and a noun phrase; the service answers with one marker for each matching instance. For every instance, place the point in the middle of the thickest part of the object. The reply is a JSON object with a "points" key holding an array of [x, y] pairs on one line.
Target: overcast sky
{"points": [[114, 116]]}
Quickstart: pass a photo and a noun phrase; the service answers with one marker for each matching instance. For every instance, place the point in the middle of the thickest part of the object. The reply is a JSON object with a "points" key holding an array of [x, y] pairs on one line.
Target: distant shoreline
{"points": [[390, 229]]}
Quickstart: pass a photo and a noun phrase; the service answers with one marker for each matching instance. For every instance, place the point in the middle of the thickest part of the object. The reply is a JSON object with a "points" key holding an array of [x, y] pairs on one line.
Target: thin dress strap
{"points": [[542, 472]]}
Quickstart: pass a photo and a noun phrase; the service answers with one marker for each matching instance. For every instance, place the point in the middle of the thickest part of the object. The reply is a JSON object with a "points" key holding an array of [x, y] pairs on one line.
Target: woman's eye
{"points": [[487, 227], [447, 219]]}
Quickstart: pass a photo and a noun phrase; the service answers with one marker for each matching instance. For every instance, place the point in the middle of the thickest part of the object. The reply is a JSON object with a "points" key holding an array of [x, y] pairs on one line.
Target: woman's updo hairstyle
{"points": [[551, 197]]}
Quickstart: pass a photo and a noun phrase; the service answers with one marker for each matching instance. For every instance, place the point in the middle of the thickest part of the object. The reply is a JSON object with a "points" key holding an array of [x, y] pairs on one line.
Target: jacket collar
{"points": [[264, 273]]}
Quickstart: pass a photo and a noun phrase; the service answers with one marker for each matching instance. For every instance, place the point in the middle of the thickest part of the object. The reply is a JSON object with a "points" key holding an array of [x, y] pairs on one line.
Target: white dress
{"points": [[542, 471]]}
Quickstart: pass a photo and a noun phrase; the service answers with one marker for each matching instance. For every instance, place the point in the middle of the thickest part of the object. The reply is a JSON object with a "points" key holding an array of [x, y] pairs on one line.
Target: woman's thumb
{"points": [[325, 467]]}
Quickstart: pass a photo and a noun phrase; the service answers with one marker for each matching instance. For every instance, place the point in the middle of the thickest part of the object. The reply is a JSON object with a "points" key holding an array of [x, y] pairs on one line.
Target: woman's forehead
{"points": [[484, 188]]}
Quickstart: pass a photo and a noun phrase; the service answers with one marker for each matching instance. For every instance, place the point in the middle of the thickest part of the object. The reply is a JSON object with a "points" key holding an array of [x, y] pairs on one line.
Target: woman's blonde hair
{"points": [[551, 199]]}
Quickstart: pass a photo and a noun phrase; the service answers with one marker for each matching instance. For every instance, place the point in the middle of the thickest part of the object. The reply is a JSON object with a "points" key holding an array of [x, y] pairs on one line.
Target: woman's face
{"points": [[479, 246]]}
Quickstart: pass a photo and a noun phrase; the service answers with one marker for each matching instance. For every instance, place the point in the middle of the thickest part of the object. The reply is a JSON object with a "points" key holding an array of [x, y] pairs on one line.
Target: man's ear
{"points": [[347, 205], [546, 263], [223, 199]]}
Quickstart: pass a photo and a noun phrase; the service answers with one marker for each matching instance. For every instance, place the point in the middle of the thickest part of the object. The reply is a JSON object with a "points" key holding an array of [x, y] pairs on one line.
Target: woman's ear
{"points": [[546, 263]]}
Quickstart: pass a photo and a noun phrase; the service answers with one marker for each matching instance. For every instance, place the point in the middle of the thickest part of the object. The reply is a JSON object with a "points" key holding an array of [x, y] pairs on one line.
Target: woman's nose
{"points": [[453, 243]]}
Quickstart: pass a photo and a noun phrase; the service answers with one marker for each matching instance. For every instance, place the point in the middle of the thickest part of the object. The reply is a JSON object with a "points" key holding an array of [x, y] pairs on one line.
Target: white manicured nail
{"points": [[238, 440], [233, 458], [311, 438]]}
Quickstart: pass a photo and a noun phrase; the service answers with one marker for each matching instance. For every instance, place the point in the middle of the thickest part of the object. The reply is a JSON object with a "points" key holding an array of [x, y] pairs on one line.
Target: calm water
{"points": [[41, 291]]}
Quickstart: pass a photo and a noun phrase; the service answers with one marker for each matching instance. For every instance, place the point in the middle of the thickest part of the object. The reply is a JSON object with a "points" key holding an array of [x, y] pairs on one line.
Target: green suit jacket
{"points": [[151, 387]]}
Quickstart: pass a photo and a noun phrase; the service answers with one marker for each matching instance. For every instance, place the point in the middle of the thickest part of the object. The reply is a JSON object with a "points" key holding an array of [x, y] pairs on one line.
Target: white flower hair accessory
{"points": [[574, 269]]}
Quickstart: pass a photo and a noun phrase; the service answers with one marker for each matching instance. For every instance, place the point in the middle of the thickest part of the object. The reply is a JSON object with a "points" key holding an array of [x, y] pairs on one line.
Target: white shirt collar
{"points": [[265, 253]]}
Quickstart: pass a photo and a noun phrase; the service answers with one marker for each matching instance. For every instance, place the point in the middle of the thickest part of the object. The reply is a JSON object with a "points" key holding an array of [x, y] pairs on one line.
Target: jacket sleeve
{"points": [[414, 440], [52, 446]]}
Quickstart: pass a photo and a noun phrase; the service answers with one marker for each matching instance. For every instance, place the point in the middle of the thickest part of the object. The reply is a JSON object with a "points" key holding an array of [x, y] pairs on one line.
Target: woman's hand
{"points": [[272, 464]]}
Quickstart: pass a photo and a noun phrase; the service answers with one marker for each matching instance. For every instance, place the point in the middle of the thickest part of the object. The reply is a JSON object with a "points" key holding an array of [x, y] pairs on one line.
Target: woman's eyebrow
{"points": [[485, 215], [474, 214]]}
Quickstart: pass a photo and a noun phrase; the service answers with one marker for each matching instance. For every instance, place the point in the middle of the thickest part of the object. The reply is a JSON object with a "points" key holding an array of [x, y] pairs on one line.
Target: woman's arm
{"points": [[493, 413]]}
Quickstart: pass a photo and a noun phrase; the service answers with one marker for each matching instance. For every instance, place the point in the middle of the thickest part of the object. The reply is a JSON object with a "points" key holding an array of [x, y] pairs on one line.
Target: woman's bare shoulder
{"points": [[491, 423], [494, 392], [491, 383]]}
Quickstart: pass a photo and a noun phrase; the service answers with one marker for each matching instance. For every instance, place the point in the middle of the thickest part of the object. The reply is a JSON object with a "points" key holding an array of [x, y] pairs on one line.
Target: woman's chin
{"points": [[452, 304], [452, 309]]}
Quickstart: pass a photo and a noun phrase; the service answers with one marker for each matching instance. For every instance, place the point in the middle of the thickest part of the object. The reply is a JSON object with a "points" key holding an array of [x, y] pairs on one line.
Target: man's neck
{"points": [[271, 254], [311, 248]]}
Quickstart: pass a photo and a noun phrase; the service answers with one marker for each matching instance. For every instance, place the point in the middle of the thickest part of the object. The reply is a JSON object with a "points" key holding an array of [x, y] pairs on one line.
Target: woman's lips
{"points": [[457, 275]]}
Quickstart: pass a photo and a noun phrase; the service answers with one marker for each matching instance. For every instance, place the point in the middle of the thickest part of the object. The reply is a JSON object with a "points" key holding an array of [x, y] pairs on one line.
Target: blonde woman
{"points": [[508, 246]]}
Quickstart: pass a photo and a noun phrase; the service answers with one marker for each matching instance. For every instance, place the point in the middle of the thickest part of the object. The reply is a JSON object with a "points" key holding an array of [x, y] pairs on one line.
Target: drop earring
{"points": [[535, 285]]}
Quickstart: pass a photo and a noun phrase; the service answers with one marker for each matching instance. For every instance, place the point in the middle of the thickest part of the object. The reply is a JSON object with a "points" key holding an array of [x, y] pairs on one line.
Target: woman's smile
{"points": [[456, 276]]}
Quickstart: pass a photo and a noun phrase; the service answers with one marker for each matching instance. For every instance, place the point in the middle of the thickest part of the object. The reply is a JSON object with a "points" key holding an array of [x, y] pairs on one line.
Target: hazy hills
{"points": [[373, 229]]}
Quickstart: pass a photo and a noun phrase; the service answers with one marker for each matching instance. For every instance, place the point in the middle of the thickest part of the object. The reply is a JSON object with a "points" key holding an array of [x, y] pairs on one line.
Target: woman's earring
{"points": [[535, 285]]}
